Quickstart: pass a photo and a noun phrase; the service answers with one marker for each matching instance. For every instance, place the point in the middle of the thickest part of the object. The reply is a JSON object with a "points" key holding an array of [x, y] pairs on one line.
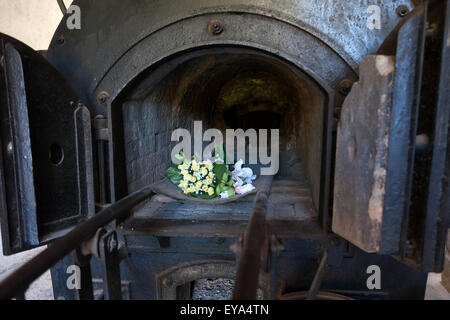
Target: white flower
{"points": [[238, 182], [240, 173], [250, 179], [246, 173], [238, 165], [224, 195], [244, 189]]}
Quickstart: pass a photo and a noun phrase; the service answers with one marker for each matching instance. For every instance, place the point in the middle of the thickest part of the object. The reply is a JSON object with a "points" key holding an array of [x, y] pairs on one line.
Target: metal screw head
{"points": [[215, 27], [345, 86], [402, 11], [9, 148], [61, 40], [166, 282], [103, 97], [112, 244]]}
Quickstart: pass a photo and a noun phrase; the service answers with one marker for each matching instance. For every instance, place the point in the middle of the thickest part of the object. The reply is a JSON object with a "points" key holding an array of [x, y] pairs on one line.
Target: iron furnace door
{"points": [[392, 161], [46, 180]]}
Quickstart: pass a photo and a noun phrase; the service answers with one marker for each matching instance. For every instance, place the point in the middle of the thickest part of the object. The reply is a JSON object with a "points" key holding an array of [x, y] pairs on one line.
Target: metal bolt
{"points": [[103, 97], [9, 148], [345, 86], [112, 244], [220, 240], [215, 27], [61, 40], [334, 242], [431, 29], [409, 249], [167, 282], [422, 142], [402, 11]]}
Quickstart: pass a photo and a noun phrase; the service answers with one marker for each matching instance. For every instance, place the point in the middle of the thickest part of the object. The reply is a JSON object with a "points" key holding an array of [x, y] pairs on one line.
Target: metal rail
{"points": [[18, 282], [62, 6], [255, 241]]}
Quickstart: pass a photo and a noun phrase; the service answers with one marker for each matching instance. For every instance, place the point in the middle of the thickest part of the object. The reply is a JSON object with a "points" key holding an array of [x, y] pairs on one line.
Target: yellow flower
{"points": [[184, 172], [193, 179], [211, 175], [180, 167], [183, 184], [195, 167], [211, 191], [198, 185], [208, 181], [205, 188], [204, 171], [186, 165]]}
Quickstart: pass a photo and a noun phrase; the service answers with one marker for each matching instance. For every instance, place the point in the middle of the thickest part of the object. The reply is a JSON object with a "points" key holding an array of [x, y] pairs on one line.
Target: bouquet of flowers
{"points": [[210, 178]]}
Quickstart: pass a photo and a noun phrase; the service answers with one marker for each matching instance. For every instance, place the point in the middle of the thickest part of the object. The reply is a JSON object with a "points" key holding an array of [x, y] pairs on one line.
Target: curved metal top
{"points": [[110, 28]]}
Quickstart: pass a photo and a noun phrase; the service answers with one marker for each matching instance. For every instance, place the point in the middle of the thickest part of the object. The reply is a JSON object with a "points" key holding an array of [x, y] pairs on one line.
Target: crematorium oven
{"points": [[362, 110]]}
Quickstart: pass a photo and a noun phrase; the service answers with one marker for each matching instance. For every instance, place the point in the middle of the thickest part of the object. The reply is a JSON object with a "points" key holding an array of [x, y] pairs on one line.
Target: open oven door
{"points": [[46, 180], [391, 191]]}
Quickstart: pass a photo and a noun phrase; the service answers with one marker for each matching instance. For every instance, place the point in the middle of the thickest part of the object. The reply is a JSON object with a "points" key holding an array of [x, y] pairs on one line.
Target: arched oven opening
{"points": [[226, 87]]}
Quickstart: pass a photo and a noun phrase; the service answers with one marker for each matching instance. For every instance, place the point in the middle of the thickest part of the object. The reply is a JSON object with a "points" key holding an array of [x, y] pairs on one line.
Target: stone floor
{"points": [[41, 289]]}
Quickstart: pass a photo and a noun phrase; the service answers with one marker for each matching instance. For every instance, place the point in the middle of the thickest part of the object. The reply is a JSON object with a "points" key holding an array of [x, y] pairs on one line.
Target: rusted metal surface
{"points": [[352, 40], [20, 279], [62, 6], [361, 157], [56, 170], [318, 277], [254, 249], [110, 260], [18, 201]]}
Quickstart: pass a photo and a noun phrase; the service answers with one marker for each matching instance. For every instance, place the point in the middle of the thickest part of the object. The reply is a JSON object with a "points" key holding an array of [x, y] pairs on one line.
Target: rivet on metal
{"points": [[345, 86], [215, 27], [402, 11], [103, 97], [9, 148], [61, 40]]}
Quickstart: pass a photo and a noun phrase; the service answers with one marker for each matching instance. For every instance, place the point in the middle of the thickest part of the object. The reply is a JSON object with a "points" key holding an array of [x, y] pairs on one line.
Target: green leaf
{"points": [[219, 170], [179, 156], [174, 175], [218, 151], [197, 157], [224, 178]]}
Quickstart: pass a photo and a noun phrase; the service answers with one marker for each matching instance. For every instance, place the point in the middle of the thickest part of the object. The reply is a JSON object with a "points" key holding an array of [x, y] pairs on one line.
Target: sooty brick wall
{"points": [[148, 126]]}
